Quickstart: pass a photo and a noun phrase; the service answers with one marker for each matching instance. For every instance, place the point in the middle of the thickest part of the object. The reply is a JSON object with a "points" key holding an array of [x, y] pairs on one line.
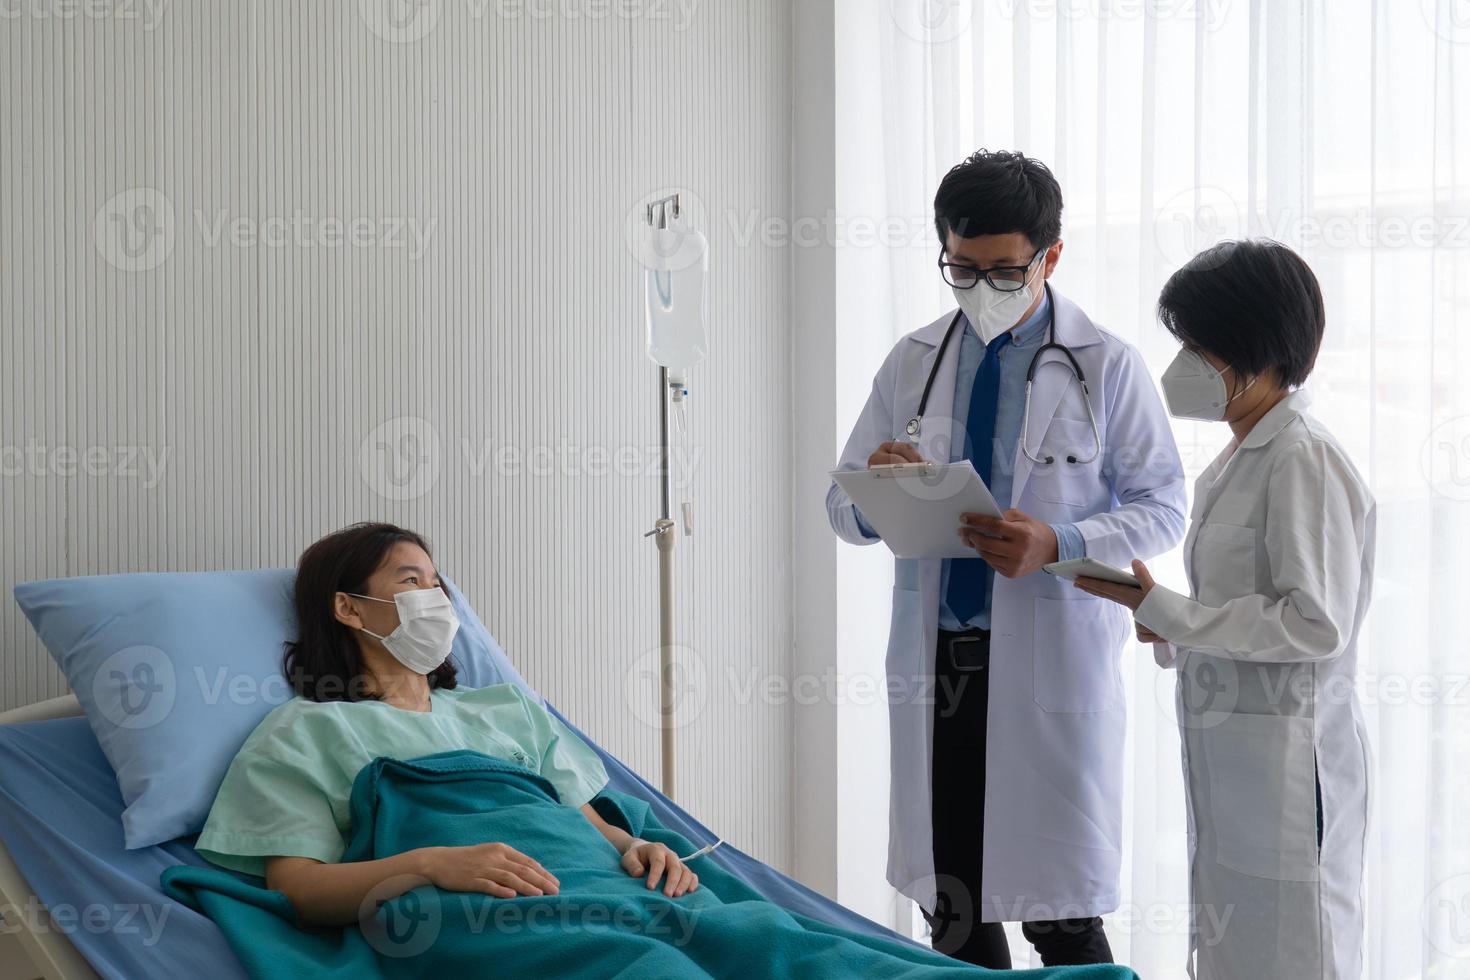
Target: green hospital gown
{"points": [[287, 792]]}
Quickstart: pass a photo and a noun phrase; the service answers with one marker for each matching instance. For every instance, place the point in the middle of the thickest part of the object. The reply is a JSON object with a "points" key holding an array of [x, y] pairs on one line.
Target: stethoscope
{"points": [[917, 421]]}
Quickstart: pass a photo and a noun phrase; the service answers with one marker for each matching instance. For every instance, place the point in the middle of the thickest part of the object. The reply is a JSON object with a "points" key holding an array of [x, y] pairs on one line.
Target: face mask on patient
{"points": [[426, 628]]}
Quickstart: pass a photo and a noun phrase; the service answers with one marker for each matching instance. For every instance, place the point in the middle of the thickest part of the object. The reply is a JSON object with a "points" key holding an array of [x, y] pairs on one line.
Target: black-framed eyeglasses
{"points": [[1005, 278]]}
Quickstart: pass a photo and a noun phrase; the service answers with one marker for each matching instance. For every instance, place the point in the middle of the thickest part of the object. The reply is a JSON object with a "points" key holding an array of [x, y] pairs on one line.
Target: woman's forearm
{"points": [[616, 836], [337, 894], [340, 894]]}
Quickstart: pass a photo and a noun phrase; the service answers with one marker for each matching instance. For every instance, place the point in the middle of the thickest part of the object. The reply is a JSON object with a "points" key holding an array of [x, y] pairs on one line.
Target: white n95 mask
{"points": [[1193, 389], [992, 311], [426, 629]]}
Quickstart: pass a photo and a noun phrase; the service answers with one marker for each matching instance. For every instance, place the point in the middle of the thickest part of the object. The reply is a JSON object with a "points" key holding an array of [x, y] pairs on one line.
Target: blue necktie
{"points": [[970, 578]]}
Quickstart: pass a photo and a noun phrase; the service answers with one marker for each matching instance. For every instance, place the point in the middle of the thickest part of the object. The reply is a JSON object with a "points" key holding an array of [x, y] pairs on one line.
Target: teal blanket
{"points": [[603, 923]]}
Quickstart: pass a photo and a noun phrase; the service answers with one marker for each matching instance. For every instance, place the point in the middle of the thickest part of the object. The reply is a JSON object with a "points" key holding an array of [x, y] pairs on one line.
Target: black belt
{"points": [[962, 651]]}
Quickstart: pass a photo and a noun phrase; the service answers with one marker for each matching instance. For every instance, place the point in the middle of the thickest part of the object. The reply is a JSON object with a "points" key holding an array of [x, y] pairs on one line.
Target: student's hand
{"points": [[1123, 595], [895, 452], [1146, 635], [1014, 544], [494, 869], [657, 861]]}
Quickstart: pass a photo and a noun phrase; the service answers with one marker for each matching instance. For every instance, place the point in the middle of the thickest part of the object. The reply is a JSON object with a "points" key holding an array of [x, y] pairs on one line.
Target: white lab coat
{"points": [[1054, 763], [1280, 563]]}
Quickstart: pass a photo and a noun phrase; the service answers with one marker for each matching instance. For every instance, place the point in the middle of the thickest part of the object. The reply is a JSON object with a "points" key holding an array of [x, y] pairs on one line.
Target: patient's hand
{"points": [[494, 869], [656, 860]]}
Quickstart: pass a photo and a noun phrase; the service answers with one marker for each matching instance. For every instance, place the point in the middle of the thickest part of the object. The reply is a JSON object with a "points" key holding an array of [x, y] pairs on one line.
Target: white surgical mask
{"points": [[993, 311], [1193, 389], [426, 628]]}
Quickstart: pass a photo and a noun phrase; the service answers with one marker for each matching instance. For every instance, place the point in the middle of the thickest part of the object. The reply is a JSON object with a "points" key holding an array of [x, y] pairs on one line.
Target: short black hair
{"points": [[999, 192], [1253, 303], [324, 662]]}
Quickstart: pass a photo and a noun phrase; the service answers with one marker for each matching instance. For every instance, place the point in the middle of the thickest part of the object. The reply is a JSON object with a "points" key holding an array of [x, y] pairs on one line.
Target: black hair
{"points": [[1253, 303], [999, 192], [324, 663]]}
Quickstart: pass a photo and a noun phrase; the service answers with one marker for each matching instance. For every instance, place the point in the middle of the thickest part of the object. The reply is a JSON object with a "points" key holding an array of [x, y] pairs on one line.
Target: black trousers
{"points": [[962, 676]]}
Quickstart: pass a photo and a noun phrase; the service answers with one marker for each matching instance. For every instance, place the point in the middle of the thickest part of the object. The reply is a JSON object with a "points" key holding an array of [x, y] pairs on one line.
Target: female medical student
{"points": [[1280, 563]]}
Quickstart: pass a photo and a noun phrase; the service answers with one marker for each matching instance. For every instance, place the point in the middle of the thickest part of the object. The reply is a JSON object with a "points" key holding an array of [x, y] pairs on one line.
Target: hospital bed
{"points": [[61, 849], [30, 950]]}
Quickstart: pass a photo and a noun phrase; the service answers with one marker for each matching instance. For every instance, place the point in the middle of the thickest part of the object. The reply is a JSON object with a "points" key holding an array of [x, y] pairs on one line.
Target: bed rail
{"points": [[66, 706]]}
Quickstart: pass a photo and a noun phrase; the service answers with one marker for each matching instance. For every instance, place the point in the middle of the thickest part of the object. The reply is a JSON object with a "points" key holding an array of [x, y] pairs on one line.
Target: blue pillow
{"points": [[175, 670]]}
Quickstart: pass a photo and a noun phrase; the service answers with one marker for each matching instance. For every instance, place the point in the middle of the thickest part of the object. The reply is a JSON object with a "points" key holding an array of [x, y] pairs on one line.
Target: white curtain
{"points": [[1341, 128]]}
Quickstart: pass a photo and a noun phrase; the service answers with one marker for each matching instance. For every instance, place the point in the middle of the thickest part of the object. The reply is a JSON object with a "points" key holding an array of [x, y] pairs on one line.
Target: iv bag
{"points": [[675, 296]]}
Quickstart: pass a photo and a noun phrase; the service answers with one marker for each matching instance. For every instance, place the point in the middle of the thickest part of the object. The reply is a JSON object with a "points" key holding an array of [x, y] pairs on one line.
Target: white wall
{"points": [[218, 401], [816, 764], [843, 591], [865, 574]]}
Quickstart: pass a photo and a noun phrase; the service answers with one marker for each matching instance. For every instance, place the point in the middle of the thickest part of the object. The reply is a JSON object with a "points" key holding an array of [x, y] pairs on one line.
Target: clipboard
{"points": [[916, 507]]}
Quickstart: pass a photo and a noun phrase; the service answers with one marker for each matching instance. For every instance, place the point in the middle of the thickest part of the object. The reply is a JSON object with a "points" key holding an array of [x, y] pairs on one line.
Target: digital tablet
{"points": [[1090, 568]]}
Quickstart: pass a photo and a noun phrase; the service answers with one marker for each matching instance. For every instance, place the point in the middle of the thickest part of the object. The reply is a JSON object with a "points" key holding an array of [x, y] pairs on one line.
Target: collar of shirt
{"points": [[1031, 328]]}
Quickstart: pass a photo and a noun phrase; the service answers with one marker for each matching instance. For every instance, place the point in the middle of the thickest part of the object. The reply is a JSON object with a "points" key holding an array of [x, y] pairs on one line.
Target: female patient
{"points": [[373, 679]]}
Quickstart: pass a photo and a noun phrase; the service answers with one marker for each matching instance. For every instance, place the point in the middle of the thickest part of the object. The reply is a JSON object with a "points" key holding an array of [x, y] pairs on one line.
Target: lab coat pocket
{"points": [[1060, 481], [1075, 648], [1224, 560], [1263, 798]]}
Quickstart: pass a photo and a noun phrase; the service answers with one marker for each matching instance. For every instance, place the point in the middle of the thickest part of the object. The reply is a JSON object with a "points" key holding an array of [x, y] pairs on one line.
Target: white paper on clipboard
{"points": [[916, 507]]}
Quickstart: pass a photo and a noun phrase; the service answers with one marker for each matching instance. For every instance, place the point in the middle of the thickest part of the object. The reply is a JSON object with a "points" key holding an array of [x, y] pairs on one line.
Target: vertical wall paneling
{"points": [[282, 266]]}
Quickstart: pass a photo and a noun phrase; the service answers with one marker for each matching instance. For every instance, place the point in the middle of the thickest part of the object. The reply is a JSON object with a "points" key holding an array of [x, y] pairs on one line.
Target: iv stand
{"points": [[664, 537]]}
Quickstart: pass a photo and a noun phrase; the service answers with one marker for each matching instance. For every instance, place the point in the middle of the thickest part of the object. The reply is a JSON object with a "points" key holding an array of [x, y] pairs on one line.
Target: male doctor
{"points": [[1006, 727]]}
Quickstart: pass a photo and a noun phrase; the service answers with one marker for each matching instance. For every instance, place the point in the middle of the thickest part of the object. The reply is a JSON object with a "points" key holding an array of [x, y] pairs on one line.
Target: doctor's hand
{"points": [[1146, 635], [895, 452], [1123, 595], [1014, 544]]}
